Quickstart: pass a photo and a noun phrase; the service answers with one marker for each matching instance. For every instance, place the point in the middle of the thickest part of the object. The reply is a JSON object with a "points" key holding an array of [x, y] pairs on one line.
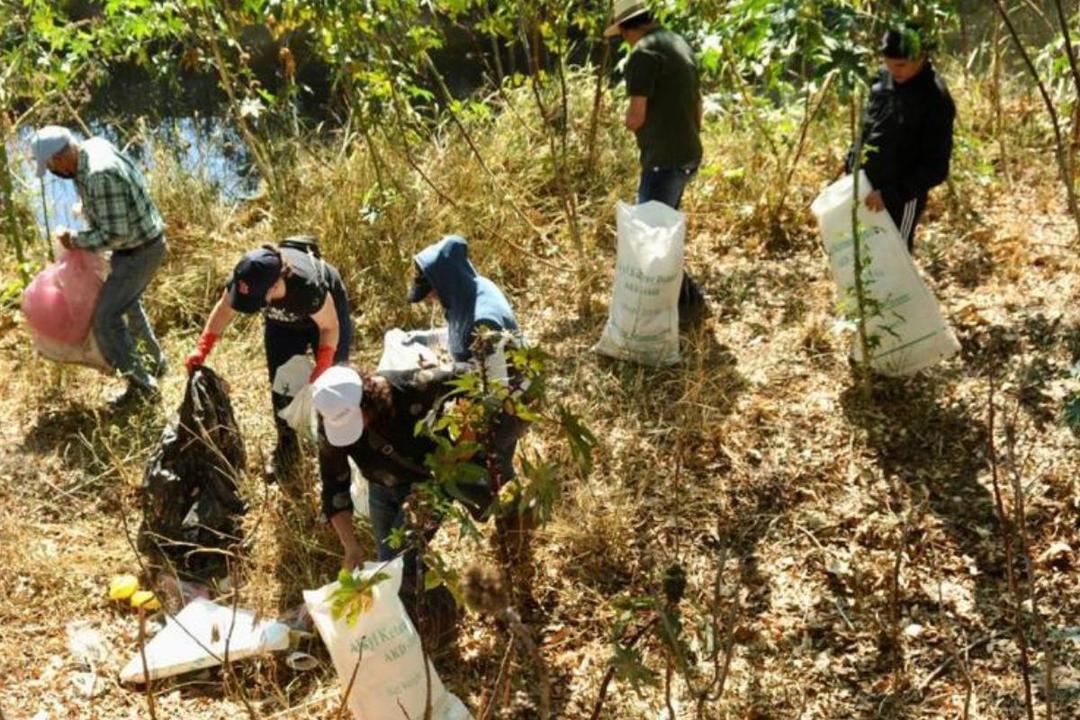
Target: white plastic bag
{"points": [[383, 650], [196, 638], [413, 349], [909, 329], [291, 379], [643, 321]]}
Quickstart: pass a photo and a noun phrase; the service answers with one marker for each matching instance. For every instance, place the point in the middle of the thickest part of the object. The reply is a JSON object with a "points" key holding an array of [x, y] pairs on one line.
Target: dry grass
{"points": [[784, 471]]}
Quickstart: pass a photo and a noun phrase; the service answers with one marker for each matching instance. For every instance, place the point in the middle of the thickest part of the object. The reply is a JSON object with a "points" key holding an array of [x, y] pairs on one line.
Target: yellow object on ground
{"points": [[146, 600], [123, 586]]}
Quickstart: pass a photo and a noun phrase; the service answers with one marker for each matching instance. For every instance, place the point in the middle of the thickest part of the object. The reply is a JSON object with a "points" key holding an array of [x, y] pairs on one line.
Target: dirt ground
{"points": [[843, 547]]}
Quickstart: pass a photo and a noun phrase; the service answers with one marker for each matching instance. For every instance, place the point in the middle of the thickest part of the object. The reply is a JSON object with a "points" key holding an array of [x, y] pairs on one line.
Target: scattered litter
{"points": [[301, 661], [299, 620], [380, 645], [643, 319], [90, 649], [86, 644], [146, 600], [123, 586], [88, 684], [909, 330], [197, 637], [914, 631]]}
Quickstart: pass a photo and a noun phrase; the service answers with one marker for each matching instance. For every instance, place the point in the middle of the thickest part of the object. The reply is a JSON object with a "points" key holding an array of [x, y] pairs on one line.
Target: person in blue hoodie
{"points": [[471, 304]]}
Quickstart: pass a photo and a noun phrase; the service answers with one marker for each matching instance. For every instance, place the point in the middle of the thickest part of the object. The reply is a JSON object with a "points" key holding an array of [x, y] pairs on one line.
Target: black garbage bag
{"points": [[190, 500]]}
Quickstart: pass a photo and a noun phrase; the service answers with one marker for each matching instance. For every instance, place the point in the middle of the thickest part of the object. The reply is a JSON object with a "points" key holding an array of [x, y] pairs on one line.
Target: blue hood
{"points": [[468, 298]]}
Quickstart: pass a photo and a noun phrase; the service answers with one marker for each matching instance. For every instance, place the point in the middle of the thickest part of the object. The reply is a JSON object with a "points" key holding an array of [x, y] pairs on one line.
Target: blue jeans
{"points": [[120, 322], [665, 184], [385, 504]]}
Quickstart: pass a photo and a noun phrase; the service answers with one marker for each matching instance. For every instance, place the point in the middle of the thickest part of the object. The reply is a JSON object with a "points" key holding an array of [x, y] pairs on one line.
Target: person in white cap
{"points": [[121, 218], [372, 419], [664, 113]]}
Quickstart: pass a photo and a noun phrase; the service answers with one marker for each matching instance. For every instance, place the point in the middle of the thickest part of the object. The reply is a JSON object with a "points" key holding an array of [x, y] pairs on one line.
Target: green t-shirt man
{"points": [[663, 70]]}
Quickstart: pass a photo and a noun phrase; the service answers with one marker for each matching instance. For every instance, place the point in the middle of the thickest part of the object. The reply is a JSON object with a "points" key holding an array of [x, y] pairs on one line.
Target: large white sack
{"points": [[390, 677], [911, 331], [197, 638], [643, 320]]}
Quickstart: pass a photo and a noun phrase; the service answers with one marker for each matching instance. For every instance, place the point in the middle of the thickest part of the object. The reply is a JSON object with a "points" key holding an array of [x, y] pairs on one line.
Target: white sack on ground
{"points": [[383, 649], [643, 320], [196, 639], [911, 332]]}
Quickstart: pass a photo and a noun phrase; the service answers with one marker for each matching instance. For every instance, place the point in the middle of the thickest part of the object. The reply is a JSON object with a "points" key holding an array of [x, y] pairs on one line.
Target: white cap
{"points": [[336, 396], [48, 141]]}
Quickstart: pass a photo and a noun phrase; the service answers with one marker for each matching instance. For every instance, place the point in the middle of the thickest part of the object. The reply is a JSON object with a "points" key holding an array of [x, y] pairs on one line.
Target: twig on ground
{"points": [[352, 679], [145, 666]]}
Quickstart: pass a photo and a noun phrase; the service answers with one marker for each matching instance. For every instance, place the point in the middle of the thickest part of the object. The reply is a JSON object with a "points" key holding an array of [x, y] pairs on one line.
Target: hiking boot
{"points": [[693, 308]]}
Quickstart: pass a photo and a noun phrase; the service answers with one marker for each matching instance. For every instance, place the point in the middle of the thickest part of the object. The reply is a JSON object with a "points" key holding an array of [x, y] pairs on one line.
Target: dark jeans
{"points": [[283, 341], [120, 321], [667, 186]]}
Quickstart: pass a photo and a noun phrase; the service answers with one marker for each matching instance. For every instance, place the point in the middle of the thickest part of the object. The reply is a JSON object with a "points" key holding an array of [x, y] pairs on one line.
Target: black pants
{"points": [[283, 341], [906, 216]]}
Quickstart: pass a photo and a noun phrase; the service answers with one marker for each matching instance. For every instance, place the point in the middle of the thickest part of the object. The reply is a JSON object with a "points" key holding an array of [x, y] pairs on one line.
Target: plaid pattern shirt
{"points": [[116, 202]]}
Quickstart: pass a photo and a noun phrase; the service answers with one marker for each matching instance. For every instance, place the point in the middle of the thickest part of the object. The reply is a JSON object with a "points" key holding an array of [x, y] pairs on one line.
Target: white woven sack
{"points": [[643, 320], [911, 333], [383, 651]]}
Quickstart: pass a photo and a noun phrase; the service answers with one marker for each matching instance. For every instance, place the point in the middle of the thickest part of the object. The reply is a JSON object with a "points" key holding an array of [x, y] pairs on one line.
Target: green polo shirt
{"points": [[662, 68]]}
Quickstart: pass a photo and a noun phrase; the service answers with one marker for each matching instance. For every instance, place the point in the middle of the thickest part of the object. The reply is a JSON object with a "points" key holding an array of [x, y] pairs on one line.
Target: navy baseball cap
{"points": [[252, 278], [420, 287]]}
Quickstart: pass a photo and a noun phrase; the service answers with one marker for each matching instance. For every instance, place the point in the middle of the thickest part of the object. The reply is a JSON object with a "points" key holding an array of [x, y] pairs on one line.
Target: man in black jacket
{"points": [[907, 132]]}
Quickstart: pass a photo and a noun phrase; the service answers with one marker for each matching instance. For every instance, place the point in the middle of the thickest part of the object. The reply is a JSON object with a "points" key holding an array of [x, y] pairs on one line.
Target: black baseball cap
{"points": [[420, 287], [905, 42], [252, 278]]}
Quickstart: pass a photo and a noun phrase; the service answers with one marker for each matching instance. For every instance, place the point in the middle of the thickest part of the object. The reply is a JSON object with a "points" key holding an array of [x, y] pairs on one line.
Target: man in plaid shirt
{"points": [[122, 219]]}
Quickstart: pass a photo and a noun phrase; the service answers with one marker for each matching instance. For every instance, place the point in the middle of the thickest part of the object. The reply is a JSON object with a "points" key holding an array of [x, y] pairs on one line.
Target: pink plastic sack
{"points": [[59, 303]]}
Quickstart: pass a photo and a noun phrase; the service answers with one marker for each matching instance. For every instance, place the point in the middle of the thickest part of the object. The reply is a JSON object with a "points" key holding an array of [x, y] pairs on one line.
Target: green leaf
{"points": [[354, 596]]}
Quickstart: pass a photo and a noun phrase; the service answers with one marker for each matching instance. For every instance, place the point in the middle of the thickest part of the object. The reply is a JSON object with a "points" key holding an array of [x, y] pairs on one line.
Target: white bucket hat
{"points": [[336, 396], [623, 11]]}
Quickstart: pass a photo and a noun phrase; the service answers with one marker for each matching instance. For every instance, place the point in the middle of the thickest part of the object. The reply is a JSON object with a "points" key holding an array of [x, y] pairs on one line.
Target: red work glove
{"points": [[202, 349], [324, 358]]}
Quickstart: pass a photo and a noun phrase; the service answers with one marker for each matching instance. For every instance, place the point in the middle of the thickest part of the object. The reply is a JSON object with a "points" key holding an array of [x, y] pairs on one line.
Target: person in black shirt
{"points": [[372, 420], [907, 135], [665, 114], [304, 303]]}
